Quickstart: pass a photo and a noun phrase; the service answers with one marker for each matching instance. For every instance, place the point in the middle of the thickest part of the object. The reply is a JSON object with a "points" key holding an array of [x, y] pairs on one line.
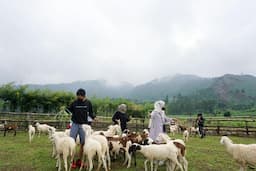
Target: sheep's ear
{"points": [[225, 135]]}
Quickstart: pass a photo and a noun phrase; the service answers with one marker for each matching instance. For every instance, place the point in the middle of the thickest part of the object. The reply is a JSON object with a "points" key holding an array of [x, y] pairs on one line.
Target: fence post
{"points": [[246, 127], [218, 127], [136, 123]]}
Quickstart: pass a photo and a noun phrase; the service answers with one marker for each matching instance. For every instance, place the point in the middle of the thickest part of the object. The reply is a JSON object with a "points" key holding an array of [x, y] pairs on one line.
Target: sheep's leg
{"points": [[104, 162], [82, 162], [145, 165], [129, 159], [178, 163], [125, 158], [14, 132], [90, 163], [29, 137], [65, 162], [59, 163], [151, 165], [100, 159], [242, 168], [4, 132], [156, 167], [109, 160], [185, 163], [168, 166]]}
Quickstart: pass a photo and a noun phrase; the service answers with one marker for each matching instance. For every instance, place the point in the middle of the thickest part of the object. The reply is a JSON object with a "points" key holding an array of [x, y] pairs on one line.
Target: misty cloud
{"points": [[135, 41]]}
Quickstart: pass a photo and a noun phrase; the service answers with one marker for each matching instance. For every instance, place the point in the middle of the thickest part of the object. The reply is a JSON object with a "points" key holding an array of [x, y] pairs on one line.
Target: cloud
{"points": [[134, 41]]}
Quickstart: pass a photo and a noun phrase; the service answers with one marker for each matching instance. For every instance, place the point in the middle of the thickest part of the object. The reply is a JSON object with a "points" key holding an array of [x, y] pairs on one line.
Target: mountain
{"points": [[99, 88], [227, 88], [170, 86]]}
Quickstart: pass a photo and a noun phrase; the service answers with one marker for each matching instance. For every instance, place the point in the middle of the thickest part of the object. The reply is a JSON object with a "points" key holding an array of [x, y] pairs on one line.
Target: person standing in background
{"points": [[157, 120], [200, 123], [121, 115]]}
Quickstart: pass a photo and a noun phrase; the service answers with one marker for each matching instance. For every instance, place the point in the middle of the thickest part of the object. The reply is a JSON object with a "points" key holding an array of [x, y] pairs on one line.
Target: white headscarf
{"points": [[159, 105]]}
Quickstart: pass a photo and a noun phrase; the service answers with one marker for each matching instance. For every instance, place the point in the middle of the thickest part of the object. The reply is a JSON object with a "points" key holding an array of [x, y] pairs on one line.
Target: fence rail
{"points": [[244, 126]]}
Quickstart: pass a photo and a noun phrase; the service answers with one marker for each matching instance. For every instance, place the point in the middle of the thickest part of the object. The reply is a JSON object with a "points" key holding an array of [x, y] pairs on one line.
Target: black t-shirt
{"points": [[80, 110], [123, 119]]}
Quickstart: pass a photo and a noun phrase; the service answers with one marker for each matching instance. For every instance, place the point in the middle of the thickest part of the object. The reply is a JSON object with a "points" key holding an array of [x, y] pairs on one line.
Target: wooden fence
{"points": [[244, 126]]}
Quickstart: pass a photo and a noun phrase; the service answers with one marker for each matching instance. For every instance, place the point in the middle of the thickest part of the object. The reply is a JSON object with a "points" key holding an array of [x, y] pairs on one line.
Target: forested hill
{"points": [[238, 89]]}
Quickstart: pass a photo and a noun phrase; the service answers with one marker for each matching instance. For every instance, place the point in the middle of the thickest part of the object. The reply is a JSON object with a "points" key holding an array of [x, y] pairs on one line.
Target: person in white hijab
{"points": [[157, 120]]}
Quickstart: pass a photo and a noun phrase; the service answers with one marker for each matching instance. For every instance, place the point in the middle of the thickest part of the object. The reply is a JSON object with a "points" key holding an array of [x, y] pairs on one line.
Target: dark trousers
{"points": [[201, 131]]}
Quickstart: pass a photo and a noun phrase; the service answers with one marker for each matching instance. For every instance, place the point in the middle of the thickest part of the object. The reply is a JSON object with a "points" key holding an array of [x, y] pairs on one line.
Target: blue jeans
{"points": [[77, 129]]}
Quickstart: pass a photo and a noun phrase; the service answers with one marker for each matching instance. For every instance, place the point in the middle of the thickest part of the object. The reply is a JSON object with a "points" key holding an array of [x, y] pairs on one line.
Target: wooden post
{"points": [[246, 127], [136, 122], [218, 127]]}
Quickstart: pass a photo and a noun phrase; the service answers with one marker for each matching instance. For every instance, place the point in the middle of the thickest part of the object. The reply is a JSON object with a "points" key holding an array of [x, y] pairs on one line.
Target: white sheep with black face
{"points": [[244, 154], [164, 152]]}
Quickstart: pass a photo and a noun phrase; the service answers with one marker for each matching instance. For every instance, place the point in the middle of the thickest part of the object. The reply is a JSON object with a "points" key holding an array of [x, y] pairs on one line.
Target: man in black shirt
{"points": [[81, 108]]}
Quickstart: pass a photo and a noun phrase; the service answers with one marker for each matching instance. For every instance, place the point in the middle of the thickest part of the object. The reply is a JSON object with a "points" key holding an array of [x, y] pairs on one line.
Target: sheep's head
{"points": [[163, 138], [225, 139], [134, 147]]}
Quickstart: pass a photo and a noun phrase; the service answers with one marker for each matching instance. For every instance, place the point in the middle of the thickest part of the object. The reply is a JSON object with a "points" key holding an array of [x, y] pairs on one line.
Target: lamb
{"points": [[173, 129], [114, 148], [244, 155], [193, 130], [31, 132], [9, 127], [64, 146], [158, 152], [185, 135], [43, 128]]}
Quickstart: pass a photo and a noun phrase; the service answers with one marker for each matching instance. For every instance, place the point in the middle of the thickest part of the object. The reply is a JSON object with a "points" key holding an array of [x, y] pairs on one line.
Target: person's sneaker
{"points": [[78, 163], [73, 166]]}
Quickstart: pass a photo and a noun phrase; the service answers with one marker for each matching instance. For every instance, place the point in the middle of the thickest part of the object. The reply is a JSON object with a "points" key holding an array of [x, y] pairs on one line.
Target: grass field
{"points": [[16, 154]]}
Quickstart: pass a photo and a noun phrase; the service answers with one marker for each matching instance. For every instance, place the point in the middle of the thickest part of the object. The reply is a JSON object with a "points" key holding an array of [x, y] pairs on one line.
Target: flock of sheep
{"points": [[110, 143]]}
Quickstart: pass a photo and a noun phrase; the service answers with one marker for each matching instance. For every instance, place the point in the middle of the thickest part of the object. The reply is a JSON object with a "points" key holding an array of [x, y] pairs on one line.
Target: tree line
{"points": [[22, 99]]}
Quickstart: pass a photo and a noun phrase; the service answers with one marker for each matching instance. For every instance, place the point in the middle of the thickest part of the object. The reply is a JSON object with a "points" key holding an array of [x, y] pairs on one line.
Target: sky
{"points": [[58, 41]]}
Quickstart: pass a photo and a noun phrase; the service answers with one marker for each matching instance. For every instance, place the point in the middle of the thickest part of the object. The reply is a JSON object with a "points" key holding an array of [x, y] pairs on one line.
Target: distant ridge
{"points": [[226, 88]]}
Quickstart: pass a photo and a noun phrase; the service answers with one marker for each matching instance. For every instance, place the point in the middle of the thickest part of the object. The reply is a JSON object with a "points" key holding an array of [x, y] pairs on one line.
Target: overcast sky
{"points": [[53, 41]]}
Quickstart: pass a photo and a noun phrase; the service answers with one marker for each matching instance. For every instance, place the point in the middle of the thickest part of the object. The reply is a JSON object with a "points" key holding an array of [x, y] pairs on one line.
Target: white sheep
{"points": [[31, 132], [43, 128], [112, 130], [244, 154], [185, 135], [173, 129], [65, 147], [91, 148], [194, 131], [158, 152], [180, 145], [105, 149], [52, 135]]}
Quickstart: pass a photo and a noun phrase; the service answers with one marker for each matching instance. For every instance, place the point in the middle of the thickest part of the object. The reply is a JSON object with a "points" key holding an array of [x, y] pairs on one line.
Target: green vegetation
{"points": [[16, 154], [22, 99]]}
